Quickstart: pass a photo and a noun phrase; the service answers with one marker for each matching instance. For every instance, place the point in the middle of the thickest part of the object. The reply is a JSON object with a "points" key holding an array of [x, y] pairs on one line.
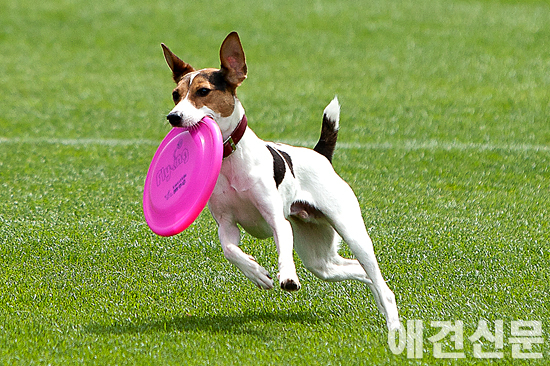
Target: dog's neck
{"points": [[233, 128], [229, 124], [230, 144]]}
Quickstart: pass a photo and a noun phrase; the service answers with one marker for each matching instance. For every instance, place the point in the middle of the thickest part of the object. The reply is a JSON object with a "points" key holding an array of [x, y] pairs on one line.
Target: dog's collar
{"points": [[230, 145]]}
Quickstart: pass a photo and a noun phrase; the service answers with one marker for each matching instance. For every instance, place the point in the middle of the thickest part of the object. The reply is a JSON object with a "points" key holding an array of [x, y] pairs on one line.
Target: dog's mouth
{"points": [[178, 121]]}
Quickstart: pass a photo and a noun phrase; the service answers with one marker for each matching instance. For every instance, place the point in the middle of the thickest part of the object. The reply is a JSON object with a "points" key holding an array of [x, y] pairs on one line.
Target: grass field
{"points": [[445, 138]]}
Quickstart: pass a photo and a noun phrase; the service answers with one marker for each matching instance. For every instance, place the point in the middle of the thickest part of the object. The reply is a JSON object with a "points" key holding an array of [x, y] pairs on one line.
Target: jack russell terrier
{"points": [[290, 193]]}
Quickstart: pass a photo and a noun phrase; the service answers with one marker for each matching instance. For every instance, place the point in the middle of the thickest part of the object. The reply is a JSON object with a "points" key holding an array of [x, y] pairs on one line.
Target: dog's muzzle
{"points": [[174, 119]]}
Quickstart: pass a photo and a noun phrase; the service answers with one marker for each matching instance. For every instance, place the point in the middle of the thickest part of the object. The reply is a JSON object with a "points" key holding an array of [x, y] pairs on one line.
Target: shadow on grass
{"points": [[251, 323]]}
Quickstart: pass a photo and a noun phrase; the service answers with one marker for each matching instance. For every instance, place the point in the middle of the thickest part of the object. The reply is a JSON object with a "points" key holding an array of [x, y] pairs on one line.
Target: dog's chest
{"points": [[228, 204]]}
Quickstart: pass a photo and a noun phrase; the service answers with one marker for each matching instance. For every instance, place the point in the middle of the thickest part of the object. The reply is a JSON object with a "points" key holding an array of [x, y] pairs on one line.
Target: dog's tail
{"points": [[329, 130]]}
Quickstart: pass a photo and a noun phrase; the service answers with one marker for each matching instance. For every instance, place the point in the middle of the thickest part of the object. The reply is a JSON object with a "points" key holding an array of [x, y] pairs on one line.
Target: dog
{"points": [[274, 190]]}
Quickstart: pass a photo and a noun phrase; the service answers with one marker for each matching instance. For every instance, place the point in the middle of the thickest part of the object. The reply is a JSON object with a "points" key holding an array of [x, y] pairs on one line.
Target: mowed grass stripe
{"points": [[400, 145], [79, 142]]}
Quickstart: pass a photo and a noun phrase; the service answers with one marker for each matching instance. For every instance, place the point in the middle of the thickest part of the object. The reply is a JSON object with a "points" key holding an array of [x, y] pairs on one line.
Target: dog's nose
{"points": [[174, 119]]}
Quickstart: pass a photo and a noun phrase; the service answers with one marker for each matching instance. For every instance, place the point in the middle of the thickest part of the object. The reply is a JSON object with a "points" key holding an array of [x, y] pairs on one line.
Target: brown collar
{"points": [[230, 145]]}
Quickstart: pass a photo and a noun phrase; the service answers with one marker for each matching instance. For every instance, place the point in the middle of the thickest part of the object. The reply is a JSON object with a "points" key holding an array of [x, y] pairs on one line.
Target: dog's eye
{"points": [[176, 96], [203, 92]]}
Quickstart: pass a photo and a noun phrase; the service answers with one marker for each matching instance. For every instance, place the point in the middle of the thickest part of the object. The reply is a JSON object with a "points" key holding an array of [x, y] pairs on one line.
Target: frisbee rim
{"points": [[208, 149]]}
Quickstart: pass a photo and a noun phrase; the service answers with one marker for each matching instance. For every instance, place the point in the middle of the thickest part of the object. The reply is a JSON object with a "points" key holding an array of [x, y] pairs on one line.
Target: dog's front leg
{"points": [[230, 236], [270, 207], [282, 234]]}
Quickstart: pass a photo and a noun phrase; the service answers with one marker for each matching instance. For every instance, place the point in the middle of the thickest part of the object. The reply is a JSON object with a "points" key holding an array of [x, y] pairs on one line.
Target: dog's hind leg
{"points": [[230, 236], [317, 245], [348, 222]]}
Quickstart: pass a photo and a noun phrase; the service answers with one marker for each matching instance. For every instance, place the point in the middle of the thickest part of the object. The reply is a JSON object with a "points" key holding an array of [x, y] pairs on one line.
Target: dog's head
{"points": [[208, 92]]}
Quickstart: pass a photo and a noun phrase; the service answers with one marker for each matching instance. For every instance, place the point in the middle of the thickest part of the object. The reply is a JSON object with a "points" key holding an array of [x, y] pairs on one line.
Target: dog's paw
{"points": [[258, 274], [394, 325], [290, 284], [264, 281]]}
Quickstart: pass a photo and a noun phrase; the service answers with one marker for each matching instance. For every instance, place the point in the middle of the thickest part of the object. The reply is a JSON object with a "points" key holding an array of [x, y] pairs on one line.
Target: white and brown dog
{"points": [[290, 193]]}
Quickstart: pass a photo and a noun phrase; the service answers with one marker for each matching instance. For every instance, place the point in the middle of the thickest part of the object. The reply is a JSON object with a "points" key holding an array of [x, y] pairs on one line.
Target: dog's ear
{"points": [[178, 67], [232, 58]]}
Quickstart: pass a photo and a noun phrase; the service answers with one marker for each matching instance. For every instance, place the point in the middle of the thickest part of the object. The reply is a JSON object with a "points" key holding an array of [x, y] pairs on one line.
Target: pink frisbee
{"points": [[182, 176]]}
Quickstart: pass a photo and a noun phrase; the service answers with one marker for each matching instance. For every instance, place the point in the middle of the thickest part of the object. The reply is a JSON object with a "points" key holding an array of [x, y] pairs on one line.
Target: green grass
{"points": [[445, 138]]}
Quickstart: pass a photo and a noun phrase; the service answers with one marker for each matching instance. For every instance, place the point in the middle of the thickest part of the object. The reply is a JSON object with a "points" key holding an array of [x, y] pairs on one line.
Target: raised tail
{"points": [[329, 130]]}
